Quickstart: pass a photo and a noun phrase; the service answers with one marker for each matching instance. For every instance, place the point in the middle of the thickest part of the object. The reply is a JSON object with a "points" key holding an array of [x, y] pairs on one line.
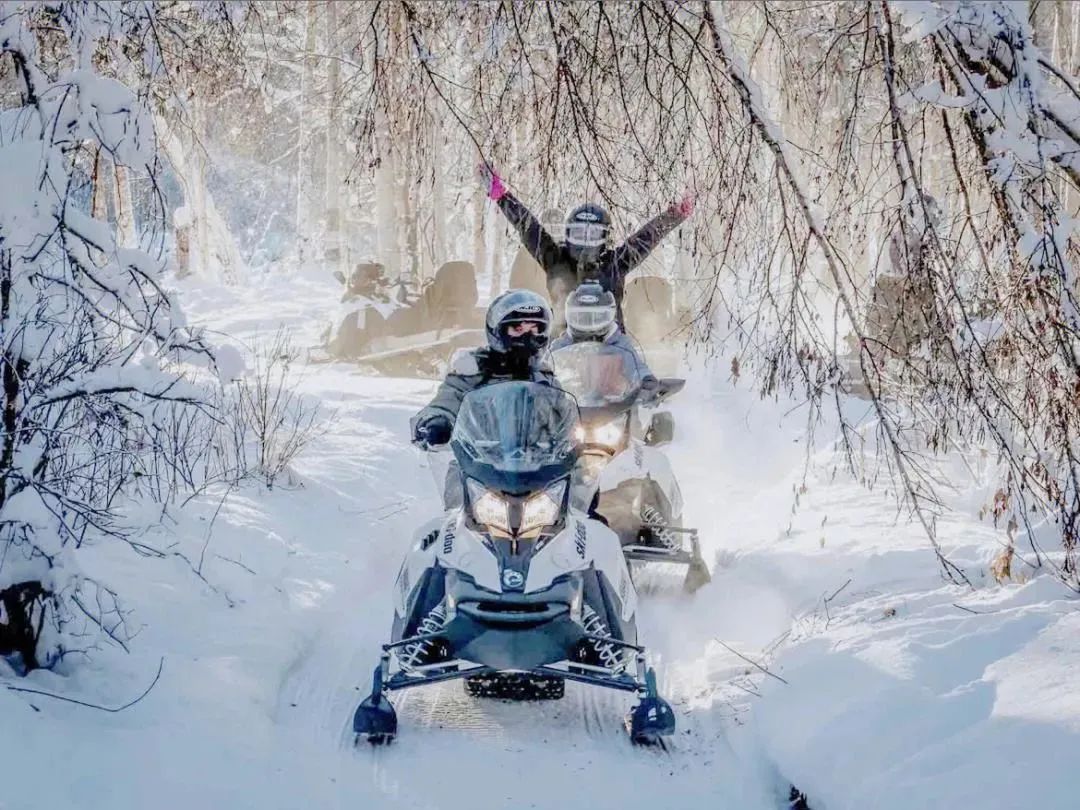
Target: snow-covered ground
{"points": [[886, 687]]}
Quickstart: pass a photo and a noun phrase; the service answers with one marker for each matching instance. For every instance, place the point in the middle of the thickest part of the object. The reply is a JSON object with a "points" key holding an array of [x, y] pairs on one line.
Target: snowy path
{"points": [[264, 668], [898, 690], [455, 751]]}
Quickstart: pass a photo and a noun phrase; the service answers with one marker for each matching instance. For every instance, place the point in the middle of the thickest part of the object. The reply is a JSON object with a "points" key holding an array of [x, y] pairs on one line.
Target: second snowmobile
{"points": [[638, 494], [515, 591]]}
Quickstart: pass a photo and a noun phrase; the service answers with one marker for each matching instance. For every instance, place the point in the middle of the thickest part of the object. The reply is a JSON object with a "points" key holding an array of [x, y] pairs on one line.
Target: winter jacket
{"points": [[615, 337], [563, 271], [472, 368]]}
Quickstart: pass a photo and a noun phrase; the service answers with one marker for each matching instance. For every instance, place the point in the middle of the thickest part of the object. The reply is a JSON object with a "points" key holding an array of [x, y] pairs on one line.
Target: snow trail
{"points": [[265, 661], [479, 753]]}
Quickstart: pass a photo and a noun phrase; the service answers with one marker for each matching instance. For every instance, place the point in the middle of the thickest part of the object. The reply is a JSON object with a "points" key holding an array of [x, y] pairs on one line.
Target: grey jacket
{"points": [[472, 368]]}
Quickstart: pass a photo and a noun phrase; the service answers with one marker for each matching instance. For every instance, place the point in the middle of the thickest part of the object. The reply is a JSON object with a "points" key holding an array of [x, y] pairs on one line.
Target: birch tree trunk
{"points": [[386, 193], [439, 213], [479, 246], [305, 145], [332, 252], [125, 211], [205, 246]]}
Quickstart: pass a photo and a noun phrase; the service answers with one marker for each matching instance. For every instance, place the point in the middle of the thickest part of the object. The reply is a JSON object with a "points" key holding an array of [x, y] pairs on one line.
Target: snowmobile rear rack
{"points": [[644, 553], [697, 572]]}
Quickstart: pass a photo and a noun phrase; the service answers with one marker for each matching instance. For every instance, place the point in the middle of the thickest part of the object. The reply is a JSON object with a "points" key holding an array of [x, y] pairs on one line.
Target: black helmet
{"points": [[590, 311], [514, 307], [587, 229]]}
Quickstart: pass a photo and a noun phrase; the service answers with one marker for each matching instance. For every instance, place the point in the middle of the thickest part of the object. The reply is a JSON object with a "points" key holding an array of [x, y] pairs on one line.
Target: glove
{"points": [[650, 390], [494, 183], [432, 431], [685, 206]]}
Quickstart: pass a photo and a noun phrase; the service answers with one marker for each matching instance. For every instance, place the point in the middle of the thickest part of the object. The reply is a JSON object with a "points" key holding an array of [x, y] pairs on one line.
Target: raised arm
{"points": [[534, 237], [633, 251]]}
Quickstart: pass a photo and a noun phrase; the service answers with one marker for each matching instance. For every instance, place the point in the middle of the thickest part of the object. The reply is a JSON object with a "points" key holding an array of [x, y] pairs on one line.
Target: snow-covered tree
{"points": [[92, 347]]}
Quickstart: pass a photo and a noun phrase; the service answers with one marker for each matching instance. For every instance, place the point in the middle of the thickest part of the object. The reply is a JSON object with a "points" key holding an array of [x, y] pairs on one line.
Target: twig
{"points": [[750, 661], [98, 622], [110, 709], [828, 616], [234, 562]]}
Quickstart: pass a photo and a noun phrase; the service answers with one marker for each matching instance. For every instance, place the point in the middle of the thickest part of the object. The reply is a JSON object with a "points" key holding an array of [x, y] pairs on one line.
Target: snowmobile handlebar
{"points": [[665, 387]]}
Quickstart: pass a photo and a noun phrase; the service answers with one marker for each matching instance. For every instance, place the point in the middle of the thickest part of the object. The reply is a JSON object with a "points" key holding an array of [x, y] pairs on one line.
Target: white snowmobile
{"points": [[629, 479], [516, 591]]}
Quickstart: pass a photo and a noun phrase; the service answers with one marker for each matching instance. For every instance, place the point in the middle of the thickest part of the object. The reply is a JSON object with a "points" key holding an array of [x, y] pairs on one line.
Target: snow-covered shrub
{"points": [[264, 422], [92, 348]]}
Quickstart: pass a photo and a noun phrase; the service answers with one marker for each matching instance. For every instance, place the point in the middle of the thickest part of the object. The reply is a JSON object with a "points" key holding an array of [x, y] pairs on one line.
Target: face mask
{"points": [[584, 255], [526, 346]]}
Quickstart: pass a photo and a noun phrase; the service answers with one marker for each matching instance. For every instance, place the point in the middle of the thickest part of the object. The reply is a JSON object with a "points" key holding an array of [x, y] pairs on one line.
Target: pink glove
{"points": [[496, 189], [685, 206]]}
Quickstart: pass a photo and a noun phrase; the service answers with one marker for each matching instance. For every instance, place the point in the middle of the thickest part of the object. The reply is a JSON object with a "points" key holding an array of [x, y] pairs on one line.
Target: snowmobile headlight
{"points": [[489, 508], [609, 434], [543, 508]]}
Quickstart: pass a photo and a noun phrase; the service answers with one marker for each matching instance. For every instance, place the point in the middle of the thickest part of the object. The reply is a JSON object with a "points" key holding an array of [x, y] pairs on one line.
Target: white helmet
{"points": [[590, 311]]}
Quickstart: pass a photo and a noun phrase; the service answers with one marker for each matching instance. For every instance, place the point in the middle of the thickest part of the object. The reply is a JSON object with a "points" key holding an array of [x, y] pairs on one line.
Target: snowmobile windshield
{"points": [[516, 436], [598, 375]]}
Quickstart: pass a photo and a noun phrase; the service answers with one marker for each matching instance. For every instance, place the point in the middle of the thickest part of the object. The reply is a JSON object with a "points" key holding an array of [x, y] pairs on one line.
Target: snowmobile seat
{"points": [[450, 299]]}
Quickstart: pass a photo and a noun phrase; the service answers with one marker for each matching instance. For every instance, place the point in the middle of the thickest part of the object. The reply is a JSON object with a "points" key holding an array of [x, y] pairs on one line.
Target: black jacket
{"points": [[472, 368], [564, 273]]}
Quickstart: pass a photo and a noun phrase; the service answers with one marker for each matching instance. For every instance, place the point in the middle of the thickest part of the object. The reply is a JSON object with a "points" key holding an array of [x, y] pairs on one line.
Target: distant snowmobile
{"points": [[654, 320], [639, 496], [405, 333], [516, 591]]}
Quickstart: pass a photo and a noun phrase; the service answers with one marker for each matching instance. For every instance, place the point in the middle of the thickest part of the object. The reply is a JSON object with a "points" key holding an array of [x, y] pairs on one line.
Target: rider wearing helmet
{"points": [[586, 253], [518, 325], [591, 315]]}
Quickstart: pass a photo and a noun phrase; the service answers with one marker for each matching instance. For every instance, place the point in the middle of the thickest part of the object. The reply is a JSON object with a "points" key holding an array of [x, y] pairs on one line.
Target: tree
{"points": [[93, 347]]}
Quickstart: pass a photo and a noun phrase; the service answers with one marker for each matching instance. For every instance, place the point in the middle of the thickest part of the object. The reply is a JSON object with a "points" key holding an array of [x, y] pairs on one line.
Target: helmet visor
{"points": [[518, 328], [586, 234], [589, 319]]}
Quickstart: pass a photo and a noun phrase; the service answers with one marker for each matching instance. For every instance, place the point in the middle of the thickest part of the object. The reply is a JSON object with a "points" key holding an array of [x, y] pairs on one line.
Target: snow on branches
{"points": [[91, 345]]}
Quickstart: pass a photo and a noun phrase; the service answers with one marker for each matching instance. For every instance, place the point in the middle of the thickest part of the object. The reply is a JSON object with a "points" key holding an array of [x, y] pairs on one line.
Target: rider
{"points": [[591, 315], [586, 253], [518, 324]]}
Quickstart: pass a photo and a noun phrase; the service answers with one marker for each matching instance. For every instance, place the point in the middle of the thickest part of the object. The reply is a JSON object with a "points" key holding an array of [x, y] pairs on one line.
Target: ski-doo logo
{"points": [[512, 579], [579, 540], [587, 216], [589, 299], [448, 542], [530, 310]]}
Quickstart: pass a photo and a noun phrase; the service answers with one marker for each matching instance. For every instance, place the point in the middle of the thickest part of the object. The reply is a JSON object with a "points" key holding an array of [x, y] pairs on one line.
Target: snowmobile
{"points": [[638, 494], [402, 332], [515, 592]]}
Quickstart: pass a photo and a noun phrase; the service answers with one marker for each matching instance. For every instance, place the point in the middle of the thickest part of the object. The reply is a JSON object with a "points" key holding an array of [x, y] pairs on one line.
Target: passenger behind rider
{"points": [[591, 316]]}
